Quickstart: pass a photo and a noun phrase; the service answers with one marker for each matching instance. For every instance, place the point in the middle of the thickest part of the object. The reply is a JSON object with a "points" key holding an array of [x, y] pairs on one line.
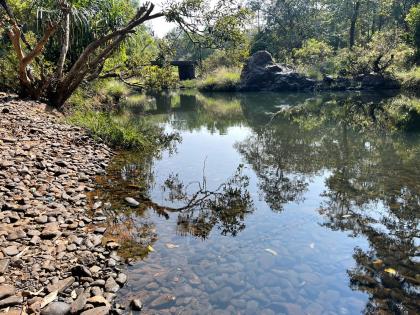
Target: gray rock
{"points": [[61, 285], [111, 285], [121, 279], [11, 250], [261, 73], [132, 202], [11, 301], [56, 308], [103, 310], [136, 305], [51, 230], [78, 304]]}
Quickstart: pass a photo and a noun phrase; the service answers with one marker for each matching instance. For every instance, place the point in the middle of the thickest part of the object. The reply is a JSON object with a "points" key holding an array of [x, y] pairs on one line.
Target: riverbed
{"points": [[310, 206]]}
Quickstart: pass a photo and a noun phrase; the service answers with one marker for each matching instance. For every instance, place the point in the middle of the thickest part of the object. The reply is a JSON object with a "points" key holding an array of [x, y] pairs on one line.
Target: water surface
{"points": [[322, 216]]}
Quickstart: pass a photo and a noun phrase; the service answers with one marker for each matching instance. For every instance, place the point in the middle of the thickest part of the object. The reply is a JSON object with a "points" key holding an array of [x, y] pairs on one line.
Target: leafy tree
{"points": [[48, 68], [413, 21]]}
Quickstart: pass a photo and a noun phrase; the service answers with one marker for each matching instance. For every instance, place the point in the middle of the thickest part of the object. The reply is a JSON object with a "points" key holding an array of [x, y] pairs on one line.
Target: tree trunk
{"points": [[353, 21], [65, 45]]}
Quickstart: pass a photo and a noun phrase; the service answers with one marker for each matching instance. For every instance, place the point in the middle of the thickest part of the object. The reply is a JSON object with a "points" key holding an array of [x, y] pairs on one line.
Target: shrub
{"points": [[413, 21], [383, 54], [313, 53], [223, 80], [115, 89], [410, 80], [154, 78]]}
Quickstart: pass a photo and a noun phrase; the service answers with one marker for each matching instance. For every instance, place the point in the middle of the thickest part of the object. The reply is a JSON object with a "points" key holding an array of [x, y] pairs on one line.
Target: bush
{"points": [[115, 89], [413, 21], [233, 58], [314, 57], [383, 54], [222, 80], [154, 78], [410, 80]]}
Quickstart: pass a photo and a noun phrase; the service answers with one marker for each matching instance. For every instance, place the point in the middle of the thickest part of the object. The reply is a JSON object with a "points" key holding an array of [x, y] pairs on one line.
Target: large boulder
{"points": [[261, 73]]}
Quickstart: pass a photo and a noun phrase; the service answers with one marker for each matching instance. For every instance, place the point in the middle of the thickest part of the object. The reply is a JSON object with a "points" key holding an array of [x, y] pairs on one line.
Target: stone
{"points": [[103, 310], [78, 304], [261, 73], [81, 271], [6, 290], [56, 308], [163, 301], [50, 230], [132, 202], [4, 264], [113, 245], [11, 301], [61, 285], [94, 269], [11, 250], [111, 285], [121, 278], [136, 305], [98, 300]]}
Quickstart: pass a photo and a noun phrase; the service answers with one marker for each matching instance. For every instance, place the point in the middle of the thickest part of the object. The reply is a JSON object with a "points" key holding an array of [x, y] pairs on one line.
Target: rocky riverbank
{"points": [[54, 258], [262, 73]]}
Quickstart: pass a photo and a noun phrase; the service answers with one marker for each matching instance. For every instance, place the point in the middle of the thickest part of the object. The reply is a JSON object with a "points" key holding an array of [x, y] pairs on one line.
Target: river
{"points": [[271, 204]]}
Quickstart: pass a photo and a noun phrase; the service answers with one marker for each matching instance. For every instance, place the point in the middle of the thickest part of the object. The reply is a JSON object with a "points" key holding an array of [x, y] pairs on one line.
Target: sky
{"points": [[160, 26]]}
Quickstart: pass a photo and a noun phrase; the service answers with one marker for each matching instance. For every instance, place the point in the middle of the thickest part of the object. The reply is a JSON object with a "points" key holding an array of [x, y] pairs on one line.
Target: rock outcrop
{"points": [[261, 73]]}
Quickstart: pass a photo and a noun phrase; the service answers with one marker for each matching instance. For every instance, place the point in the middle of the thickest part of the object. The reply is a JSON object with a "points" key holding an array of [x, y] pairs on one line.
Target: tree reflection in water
{"points": [[373, 189], [372, 185]]}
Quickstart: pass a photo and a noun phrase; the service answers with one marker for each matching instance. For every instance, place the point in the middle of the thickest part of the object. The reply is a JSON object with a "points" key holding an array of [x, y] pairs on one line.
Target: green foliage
{"points": [[154, 78], [114, 130], [314, 56], [222, 80], [410, 80], [413, 21], [114, 89], [231, 58]]}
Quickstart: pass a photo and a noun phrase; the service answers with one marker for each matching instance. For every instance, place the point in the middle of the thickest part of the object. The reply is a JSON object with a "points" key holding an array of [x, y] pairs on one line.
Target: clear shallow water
{"points": [[330, 224]]}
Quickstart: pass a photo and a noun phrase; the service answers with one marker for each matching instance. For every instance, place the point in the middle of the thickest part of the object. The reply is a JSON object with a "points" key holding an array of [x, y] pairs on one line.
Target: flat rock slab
{"points": [[56, 308], [103, 310], [6, 290], [11, 250], [61, 285], [11, 301], [4, 263]]}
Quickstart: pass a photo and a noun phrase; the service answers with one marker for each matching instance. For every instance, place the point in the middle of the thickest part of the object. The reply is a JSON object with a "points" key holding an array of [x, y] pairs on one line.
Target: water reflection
{"points": [[371, 186]]}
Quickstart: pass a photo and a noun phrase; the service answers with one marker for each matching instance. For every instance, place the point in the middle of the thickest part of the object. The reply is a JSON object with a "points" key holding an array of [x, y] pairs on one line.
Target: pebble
{"points": [[111, 285], [47, 169], [11, 250], [132, 202], [56, 308]]}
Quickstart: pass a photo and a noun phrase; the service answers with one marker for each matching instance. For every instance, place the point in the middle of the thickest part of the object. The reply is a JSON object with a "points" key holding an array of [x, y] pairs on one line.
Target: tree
{"points": [[57, 78], [413, 21]]}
